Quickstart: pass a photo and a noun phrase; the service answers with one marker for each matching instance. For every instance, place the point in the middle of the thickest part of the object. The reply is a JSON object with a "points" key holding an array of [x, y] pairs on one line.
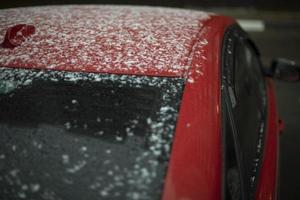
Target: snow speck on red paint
{"points": [[107, 39]]}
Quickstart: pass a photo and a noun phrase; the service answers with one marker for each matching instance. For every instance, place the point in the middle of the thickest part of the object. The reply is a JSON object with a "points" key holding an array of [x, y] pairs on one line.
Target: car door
{"points": [[244, 114]]}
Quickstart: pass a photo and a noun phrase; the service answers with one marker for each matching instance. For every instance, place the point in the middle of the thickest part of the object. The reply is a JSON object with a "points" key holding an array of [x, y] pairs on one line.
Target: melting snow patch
{"points": [[65, 159], [14, 172], [77, 167], [35, 187]]}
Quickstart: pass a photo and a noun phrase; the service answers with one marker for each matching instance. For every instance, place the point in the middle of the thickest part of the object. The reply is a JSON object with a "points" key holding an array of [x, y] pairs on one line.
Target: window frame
{"points": [[232, 34]]}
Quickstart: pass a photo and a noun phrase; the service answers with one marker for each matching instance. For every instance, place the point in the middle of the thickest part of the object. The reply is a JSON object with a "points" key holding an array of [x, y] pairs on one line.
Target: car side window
{"points": [[245, 97]]}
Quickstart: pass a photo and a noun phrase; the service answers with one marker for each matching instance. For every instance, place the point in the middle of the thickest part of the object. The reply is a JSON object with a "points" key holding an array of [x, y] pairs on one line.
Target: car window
{"points": [[244, 87], [249, 112], [67, 135]]}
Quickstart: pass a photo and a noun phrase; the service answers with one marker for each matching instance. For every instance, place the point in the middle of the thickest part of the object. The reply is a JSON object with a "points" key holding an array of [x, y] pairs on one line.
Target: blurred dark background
{"points": [[279, 37]]}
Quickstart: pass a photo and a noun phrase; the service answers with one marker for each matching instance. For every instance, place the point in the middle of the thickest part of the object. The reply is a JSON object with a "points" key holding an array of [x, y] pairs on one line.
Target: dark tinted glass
{"points": [[85, 136], [249, 111]]}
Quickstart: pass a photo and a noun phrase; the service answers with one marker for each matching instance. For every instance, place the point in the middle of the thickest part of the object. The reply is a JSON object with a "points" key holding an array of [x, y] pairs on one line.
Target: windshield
{"points": [[67, 135]]}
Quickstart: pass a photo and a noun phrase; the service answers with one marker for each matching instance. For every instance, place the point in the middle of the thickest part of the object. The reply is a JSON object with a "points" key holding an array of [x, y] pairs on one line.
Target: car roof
{"points": [[106, 39]]}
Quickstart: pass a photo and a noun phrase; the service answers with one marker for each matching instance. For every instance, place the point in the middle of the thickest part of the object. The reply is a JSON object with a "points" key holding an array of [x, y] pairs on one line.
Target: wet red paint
{"points": [[267, 185], [16, 35], [104, 39], [195, 169]]}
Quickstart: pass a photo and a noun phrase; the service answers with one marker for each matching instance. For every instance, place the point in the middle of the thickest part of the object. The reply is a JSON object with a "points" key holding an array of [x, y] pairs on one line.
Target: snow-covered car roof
{"points": [[105, 39]]}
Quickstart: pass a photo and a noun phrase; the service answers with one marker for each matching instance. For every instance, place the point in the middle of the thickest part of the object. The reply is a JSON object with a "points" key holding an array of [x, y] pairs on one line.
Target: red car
{"points": [[123, 102]]}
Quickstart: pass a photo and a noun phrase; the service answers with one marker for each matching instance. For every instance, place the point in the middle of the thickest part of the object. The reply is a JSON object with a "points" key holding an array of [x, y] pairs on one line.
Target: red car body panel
{"points": [[104, 39], [195, 169], [186, 44], [267, 185]]}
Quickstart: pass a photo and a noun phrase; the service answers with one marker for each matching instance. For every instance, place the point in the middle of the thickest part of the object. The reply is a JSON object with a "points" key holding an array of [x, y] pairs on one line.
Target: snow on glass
{"points": [[105, 38], [142, 179]]}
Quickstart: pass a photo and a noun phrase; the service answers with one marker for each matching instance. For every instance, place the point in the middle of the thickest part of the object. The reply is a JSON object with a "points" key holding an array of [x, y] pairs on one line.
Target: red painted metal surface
{"points": [[16, 35], [195, 168], [104, 39], [267, 185]]}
